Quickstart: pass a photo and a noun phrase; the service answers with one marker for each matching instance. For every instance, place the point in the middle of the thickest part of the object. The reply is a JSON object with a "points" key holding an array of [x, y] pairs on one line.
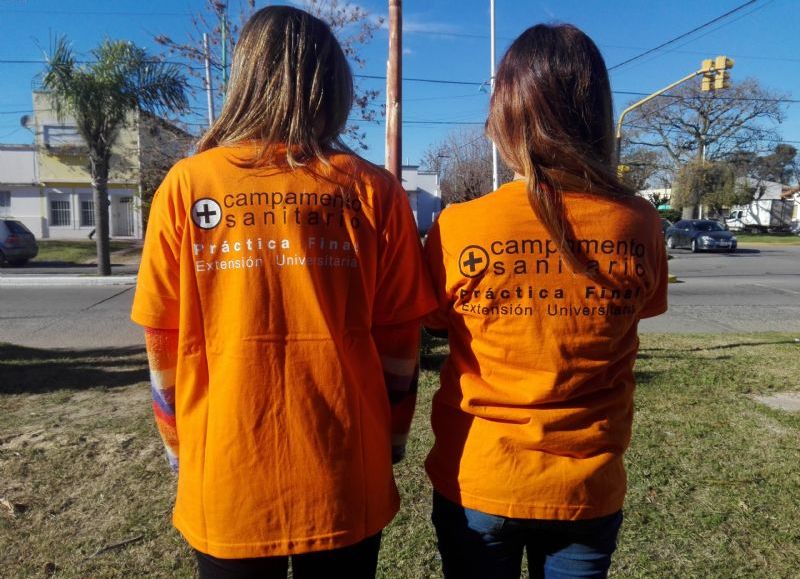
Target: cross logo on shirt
{"points": [[473, 261], [206, 213]]}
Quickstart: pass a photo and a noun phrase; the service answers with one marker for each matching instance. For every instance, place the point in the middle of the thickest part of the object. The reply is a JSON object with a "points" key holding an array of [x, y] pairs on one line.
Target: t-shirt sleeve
{"points": [[657, 297], [433, 255], [403, 291], [156, 302]]}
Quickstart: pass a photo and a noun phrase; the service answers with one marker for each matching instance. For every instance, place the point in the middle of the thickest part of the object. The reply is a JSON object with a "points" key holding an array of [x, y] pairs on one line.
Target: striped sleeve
{"points": [[162, 356], [398, 346]]}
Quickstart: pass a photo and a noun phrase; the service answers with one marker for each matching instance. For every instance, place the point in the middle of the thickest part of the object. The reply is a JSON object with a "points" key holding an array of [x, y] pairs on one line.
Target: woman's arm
{"points": [[162, 355]]}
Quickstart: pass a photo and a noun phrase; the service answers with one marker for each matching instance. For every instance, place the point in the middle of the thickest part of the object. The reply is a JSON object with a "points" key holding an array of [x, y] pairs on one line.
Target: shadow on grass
{"points": [[645, 377], [717, 347], [37, 371]]}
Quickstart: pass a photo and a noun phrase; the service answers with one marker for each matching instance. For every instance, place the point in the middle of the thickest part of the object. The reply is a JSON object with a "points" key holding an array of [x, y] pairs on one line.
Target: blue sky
{"points": [[446, 40]]}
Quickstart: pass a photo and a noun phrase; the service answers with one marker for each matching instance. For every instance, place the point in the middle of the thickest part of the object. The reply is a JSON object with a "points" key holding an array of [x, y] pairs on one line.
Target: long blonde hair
{"points": [[552, 120], [290, 85]]}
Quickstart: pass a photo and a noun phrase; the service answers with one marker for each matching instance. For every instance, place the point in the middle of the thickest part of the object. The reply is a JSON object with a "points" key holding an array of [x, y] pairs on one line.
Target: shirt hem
{"points": [[278, 547], [527, 510]]}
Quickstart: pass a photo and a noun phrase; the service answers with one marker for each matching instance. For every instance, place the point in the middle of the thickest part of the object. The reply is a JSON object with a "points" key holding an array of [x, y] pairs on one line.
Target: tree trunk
{"points": [[99, 171], [689, 212]]}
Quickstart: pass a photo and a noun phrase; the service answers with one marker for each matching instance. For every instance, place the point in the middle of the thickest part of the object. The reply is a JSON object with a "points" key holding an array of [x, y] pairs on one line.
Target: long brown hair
{"points": [[290, 85], [551, 117]]}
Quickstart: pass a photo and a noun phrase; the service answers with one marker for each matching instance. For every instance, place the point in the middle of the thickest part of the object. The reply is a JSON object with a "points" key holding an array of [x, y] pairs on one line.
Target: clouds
{"points": [[416, 25]]}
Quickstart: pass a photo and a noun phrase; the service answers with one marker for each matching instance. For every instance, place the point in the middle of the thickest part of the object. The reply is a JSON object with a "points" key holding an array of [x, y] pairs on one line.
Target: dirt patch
{"points": [[786, 401]]}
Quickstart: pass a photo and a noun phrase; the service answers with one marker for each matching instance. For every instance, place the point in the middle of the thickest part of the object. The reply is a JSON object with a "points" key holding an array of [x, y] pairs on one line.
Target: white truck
{"points": [[761, 215]]}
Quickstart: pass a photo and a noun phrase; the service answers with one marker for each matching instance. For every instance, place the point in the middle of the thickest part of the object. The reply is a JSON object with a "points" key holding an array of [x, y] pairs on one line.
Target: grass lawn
{"points": [[76, 252], [713, 490], [776, 238]]}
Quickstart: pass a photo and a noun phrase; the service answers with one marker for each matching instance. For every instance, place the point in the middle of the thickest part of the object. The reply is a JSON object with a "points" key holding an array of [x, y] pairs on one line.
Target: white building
{"points": [[47, 185], [424, 195], [21, 196]]}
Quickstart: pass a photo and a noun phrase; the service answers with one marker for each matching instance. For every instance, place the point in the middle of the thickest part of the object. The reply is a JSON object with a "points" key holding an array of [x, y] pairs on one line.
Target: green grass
{"points": [[776, 238], [714, 478], [73, 252]]}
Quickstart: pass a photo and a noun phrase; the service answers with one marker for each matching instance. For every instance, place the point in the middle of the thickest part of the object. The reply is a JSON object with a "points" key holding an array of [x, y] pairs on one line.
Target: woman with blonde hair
{"points": [[279, 292], [541, 285]]}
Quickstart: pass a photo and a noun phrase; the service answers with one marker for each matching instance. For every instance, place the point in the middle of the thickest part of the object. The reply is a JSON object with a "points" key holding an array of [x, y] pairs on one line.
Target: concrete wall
{"points": [[26, 206], [17, 165]]}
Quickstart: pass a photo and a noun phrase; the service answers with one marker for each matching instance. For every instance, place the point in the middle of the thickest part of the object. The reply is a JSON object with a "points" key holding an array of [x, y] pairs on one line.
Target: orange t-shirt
{"points": [[536, 400], [275, 280]]}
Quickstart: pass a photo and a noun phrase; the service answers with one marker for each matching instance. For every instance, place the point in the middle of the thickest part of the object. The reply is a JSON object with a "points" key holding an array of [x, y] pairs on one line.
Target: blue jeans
{"points": [[474, 544]]}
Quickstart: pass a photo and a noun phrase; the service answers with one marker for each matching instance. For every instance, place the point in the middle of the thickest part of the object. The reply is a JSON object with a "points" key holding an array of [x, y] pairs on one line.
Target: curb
{"points": [[64, 280]]}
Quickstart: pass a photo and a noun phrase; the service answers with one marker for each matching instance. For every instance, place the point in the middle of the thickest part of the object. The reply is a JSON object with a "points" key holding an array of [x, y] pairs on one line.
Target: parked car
{"points": [[17, 243], [700, 235], [665, 224]]}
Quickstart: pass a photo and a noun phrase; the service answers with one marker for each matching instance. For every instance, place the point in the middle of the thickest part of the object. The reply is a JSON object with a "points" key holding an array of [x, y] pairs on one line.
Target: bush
{"points": [[671, 214]]}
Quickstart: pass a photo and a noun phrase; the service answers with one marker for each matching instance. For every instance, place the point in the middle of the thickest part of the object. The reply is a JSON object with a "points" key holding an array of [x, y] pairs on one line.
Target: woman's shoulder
{"points": [[479, 209], [360, 169], [617, 206]]}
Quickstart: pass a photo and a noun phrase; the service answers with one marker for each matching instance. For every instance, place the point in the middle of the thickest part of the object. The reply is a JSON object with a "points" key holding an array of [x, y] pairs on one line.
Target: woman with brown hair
{"points": [[278, 289], [541, 285]]}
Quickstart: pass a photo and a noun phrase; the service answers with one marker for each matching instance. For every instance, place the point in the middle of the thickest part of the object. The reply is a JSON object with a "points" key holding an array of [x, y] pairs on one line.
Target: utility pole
{"points": [[224, 34], [209, 89], [495, 174], [394, 72]]}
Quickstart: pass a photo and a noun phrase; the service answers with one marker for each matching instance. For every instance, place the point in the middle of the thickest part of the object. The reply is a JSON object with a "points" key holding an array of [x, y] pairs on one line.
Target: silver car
{"points": [[17, 243]]}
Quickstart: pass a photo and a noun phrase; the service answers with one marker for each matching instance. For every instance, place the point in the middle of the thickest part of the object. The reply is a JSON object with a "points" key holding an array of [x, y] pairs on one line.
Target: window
{"points": [[62, 136], [5, 202], [16, 227], [87, 212], [59, 213]]}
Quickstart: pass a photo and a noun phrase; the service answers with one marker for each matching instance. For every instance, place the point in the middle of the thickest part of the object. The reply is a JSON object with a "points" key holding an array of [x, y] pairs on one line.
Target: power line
{"points": [[681, 36], [154, 61], [722, 98], [430, 80]]}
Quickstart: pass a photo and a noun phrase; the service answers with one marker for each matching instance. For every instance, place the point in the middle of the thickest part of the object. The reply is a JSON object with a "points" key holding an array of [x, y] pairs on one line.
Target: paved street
{"points": [[756, 289], [68, 317]]}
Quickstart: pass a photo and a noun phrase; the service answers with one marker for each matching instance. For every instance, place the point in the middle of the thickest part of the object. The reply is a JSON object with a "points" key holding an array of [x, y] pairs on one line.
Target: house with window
{"points": [[424, 195], [47, 185]]}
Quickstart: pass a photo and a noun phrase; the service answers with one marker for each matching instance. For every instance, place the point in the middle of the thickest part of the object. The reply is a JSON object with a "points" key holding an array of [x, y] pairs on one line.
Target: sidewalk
{"points": [[124, 267]]}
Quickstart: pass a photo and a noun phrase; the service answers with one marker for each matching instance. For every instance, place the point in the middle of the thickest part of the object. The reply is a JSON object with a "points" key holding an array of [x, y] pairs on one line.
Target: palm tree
{"points": [[99, 95]]}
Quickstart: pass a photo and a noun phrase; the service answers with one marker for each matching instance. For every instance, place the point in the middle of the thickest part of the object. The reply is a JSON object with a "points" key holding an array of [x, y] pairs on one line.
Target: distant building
{"points": [[762, 191], [20, 192], [424, 195], [47, 185]]}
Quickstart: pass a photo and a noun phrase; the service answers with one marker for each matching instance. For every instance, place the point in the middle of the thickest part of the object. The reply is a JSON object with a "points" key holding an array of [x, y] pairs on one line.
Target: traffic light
{"points": [[715, 73], [723, 63], [722, 79], [707, 68]]}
